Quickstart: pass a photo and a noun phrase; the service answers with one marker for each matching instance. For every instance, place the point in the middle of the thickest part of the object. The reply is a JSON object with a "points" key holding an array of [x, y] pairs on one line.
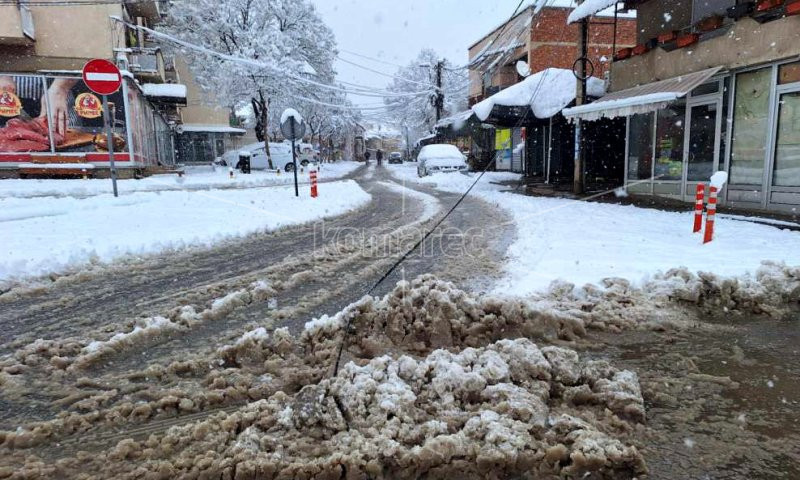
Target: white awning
{"points": [[546, 92], [164, 90], [641, 99]]}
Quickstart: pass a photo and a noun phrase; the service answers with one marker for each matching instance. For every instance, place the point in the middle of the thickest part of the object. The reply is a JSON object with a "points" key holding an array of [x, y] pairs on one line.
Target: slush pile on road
{"points": [[434, 383]]}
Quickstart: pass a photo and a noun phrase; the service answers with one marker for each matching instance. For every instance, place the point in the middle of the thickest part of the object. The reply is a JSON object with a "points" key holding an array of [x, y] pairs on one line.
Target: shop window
{"points": [[787, 151], [702, 142], [640, 147], [789, 73], [750, 116], [669, 142], [706, 89]]}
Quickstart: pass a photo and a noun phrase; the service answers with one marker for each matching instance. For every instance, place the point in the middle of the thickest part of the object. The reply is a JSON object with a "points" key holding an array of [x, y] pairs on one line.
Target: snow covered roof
{"points": [[213, 129], [589, 8], [546, 92], [456, 120], [382, 131], [641, 99], [168, 90], [501, 47]]}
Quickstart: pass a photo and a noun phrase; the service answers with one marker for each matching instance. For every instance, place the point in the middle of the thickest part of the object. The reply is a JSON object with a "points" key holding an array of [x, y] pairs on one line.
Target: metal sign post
{"points": [[294, 159], [110, 140], [104, 78], [293, 129]]}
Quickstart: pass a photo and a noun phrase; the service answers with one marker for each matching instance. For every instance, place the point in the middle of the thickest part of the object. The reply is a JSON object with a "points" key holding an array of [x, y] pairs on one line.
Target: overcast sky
{"points": [[396, 30]]}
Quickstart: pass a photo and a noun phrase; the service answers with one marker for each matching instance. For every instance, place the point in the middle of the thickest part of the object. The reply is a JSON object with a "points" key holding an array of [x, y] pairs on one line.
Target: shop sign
{"points": [[10, 106], [87, 105]]}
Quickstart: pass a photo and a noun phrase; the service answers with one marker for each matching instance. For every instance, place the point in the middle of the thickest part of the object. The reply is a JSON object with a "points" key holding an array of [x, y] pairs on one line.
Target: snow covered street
{"points": [[190, 343]]}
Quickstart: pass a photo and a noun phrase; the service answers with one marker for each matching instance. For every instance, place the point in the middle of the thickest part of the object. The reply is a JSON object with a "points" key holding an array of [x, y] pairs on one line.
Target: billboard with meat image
{"points": [[57, 115]]}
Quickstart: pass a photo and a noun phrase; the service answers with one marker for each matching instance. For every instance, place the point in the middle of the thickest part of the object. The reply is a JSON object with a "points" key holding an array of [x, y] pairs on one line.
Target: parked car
{"points": [[396, 157], [440, 158], [281, 157]]}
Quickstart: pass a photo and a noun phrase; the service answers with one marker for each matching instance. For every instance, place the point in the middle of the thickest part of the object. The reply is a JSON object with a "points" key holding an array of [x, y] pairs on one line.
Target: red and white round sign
{"points": [[102, 77]]}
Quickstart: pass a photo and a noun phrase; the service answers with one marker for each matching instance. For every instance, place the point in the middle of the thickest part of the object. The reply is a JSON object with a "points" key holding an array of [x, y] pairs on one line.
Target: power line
{"points": [[258, 64]]}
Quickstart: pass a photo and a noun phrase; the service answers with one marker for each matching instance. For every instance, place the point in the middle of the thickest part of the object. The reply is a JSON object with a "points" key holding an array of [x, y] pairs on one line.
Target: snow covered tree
{"points": [[291, 49], [418, 113]]}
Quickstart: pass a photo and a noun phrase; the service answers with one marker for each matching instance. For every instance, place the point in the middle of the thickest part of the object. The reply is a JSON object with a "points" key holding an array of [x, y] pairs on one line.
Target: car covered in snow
{"points": [[396, 157], [438, 158], [281, 157]]}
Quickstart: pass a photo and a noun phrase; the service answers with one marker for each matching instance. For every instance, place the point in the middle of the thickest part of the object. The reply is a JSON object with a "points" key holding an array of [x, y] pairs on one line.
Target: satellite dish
{"points": [[523, 69], [179, 129]]}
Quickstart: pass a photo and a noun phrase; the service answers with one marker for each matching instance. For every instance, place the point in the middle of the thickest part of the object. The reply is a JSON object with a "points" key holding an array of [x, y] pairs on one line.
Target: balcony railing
{"points": [[147, 63]]}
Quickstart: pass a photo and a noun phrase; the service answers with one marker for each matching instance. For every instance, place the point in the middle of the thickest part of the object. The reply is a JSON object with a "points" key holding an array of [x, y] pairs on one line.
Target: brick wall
{"points": [[555, 44]]}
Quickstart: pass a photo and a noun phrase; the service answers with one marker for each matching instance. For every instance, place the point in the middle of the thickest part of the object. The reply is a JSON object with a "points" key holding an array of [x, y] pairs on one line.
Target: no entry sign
{"points": [[102, 77]]}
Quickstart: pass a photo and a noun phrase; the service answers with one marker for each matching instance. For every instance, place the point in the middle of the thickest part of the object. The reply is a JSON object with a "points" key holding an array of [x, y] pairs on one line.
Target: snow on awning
{"points": [[164, 90], [641, 99], [589, 8], [546, 92], [457, 120], [213, 129]]}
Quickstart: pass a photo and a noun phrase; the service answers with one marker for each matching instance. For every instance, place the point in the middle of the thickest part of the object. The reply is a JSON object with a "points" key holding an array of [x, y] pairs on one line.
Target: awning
{"points": [[194, 128], [546, 93], [641, 99], [456, 121]]}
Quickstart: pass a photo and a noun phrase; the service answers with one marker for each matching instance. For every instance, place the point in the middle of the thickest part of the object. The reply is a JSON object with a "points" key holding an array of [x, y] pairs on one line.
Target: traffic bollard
{"points": [[698, 208], [711, 212], [314, 191]]}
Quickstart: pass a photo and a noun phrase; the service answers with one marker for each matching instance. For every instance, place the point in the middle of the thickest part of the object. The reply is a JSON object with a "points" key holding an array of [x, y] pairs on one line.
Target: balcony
{"points": [[151, 10], [16, 25], [147, 64], [736, 44]]}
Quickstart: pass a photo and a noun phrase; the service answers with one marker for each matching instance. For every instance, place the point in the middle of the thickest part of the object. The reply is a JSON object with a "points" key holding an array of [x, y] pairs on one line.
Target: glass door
{"points": [[786, 172], [701, 151]]}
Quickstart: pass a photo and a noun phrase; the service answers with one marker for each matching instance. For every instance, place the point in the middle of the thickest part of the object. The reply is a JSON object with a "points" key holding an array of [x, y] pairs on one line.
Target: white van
{"points": [[281, 157]]}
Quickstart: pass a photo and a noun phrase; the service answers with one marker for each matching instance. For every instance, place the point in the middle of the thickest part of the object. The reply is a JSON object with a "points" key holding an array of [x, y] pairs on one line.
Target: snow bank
{"points": [[496, 410], [585, 243], [196, 178], [46, 235]]}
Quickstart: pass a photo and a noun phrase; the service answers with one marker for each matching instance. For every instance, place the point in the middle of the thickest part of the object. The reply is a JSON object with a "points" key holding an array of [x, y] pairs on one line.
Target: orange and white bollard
{"points": [[314, 192], [711, 212], [698, 207]]}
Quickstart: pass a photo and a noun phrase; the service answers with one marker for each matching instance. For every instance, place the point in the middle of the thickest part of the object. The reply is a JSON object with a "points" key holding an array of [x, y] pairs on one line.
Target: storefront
{"points": [[682, 130], [46, 119], [201, 144]]}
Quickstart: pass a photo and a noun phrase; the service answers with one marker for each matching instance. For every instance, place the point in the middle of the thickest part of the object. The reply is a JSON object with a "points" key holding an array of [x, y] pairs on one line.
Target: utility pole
{"points": [[439, 100], [580, 99]]}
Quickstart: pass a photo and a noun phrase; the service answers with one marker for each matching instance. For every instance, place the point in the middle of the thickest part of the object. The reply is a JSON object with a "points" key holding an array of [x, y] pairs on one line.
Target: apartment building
{"points": [[711, 85]]}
